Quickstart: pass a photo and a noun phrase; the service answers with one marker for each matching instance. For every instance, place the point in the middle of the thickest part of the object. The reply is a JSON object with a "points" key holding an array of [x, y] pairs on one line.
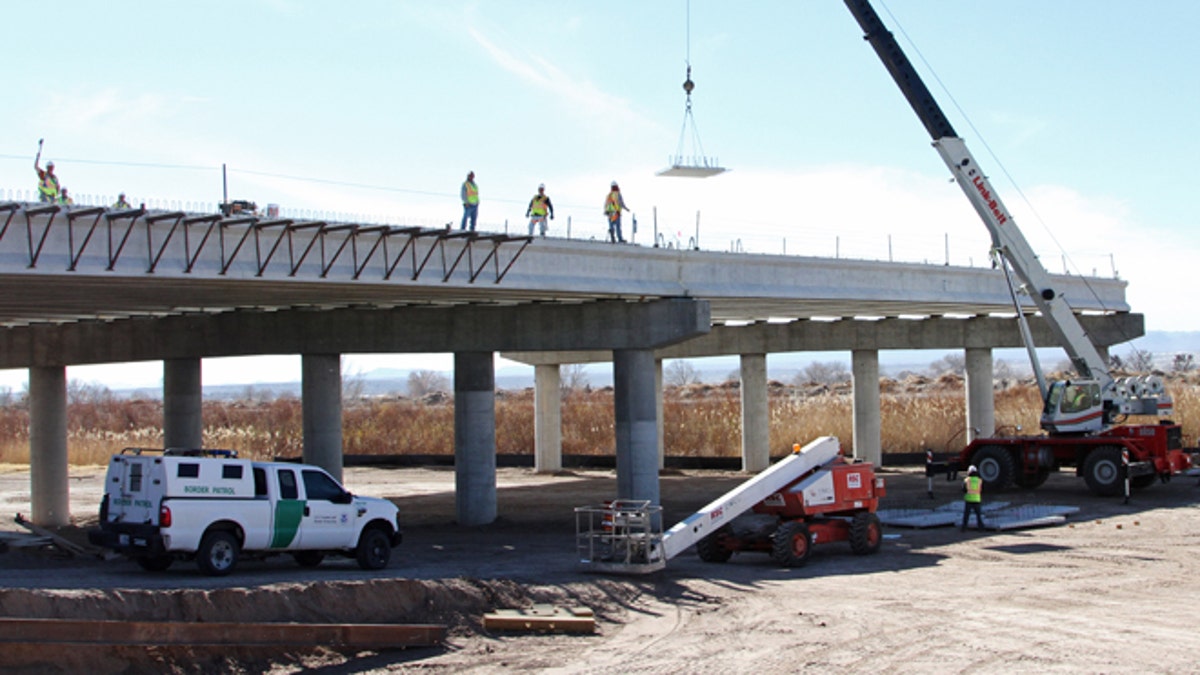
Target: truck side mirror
{"points": [[343, 498]]}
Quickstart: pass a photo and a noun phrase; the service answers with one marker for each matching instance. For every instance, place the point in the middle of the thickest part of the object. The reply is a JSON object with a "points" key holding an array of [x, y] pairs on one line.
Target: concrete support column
{"points": [[183, 423], [547, 418], [321, 407], [658, 413], [50, 503], [868, 430], [636, 424], [756, 414], [981, 402], [474, 438]]}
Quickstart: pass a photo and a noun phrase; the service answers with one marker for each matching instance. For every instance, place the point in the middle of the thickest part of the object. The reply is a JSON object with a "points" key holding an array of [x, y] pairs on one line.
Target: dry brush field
{"points": [[699, 420]]}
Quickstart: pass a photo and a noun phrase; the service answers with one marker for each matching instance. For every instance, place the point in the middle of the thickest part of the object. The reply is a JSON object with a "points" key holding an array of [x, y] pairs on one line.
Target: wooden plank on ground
{"points": [[542, 617], [357, 635]]}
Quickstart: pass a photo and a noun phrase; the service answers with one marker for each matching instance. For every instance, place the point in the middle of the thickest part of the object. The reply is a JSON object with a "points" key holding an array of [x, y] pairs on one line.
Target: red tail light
{"points": [[164, 516]]}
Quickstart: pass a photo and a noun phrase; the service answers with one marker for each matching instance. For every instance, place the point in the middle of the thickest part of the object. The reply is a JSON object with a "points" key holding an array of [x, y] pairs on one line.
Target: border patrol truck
{"points": [[211, 506]]}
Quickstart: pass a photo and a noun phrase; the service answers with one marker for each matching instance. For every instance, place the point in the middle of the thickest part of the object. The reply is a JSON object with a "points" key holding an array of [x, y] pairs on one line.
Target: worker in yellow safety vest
{"points": [[972, 498], [121, 203], [538, 208], [470, 201], [613, 206], [47, 183]]}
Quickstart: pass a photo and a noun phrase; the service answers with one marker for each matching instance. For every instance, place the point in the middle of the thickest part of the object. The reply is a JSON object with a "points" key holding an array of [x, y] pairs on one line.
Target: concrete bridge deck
{"points": [[59, 264]]}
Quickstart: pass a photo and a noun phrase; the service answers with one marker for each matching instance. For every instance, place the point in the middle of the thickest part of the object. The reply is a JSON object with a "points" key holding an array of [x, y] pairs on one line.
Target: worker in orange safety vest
{"points": [[972, 498]]}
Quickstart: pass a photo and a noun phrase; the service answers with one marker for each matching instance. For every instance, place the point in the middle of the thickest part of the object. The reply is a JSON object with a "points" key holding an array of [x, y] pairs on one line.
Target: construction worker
{"points": [[972, 498], [121, 203], [64, 198], [613, 206], [538, 207], [47, 182], [470, 201]]}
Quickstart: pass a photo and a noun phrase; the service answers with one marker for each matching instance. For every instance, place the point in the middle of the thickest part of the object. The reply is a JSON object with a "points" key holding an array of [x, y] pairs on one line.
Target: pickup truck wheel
{"points": [[308, 558], [790, 544], [866, 533], [218, 553], [154, 563], [1102, 471], [374, 550], [710, 548]]}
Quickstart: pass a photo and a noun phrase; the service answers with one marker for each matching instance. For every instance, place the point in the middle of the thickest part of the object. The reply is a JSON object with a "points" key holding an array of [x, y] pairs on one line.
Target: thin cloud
{"points": [[540, 73]]}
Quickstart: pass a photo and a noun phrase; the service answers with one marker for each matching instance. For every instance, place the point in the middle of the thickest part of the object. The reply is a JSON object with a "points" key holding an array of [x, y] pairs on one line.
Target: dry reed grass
{"points": [[698, 420]]}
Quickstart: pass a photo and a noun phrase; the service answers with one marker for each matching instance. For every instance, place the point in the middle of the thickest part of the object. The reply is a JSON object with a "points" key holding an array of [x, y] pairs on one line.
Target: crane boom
{"points": [[1006, 237]]}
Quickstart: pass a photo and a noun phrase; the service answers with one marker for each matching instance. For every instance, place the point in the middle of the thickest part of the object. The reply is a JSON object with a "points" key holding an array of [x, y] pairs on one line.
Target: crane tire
{"points": [[1103, 471], [996, 466]]}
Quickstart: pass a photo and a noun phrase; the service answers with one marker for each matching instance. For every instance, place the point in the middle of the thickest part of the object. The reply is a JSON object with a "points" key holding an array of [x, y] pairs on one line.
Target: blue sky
{"points": [[379, 109]]}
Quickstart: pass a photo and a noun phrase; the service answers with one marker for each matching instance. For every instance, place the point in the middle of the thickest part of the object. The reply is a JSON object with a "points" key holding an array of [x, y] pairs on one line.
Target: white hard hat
{"points": [[614, 183], [50, 164], [971, 469], [541, 186]]}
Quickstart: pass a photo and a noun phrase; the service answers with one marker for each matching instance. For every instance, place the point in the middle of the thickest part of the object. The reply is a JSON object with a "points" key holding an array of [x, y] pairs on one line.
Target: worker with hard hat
{"points": [[470, 201], [539, 207], [121, 202], [48, 190], [972, 497], [613, 206]]}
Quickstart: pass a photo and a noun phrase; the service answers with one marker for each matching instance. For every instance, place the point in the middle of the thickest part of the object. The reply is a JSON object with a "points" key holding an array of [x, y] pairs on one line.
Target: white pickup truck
{"points": [[208, 505]]}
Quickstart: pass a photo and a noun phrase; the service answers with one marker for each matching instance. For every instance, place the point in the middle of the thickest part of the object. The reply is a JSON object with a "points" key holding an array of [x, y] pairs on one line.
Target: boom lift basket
{"points": [[622, 536]]}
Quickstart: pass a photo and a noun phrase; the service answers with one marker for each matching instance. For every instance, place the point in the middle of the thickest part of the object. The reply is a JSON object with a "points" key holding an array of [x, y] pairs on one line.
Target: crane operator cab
{"points": [[1073, 406]]}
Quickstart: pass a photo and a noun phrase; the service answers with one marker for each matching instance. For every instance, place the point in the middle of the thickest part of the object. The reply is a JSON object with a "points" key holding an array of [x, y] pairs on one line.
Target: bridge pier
{"points": [[321, 409], [183, 399], [756, 417], [635, 411], [474, 438], [981, 401], [547, 418], [50, 503], [868, 429]]}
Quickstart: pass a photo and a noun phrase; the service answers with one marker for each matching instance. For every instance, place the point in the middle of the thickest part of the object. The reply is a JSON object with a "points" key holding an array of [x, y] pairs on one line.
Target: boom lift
{"points": [[813, 496], [1081, 416]]}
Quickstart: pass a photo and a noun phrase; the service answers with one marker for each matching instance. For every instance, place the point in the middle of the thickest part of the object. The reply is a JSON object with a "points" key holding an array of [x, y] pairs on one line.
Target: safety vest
{"points": [[48, 187], [538, 206], [974, 489], [613, 203], [472, 192], [121, 204]]}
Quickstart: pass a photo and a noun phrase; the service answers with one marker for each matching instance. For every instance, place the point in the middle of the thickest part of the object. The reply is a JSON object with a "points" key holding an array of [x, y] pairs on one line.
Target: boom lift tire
{"points": [[791, 544], [218, 553], [308, 558], [154, 563], [996, 467], [1102, 471], [710, 549], [866, 533], [374, 550]]}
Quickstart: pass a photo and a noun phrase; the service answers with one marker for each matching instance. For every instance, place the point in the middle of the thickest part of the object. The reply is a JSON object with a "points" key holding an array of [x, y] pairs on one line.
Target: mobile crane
{"points": [[1081, 416]]}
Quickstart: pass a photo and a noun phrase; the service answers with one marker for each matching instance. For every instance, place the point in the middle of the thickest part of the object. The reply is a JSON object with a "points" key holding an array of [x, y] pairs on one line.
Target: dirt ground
{"points": [[1114, 590]]}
